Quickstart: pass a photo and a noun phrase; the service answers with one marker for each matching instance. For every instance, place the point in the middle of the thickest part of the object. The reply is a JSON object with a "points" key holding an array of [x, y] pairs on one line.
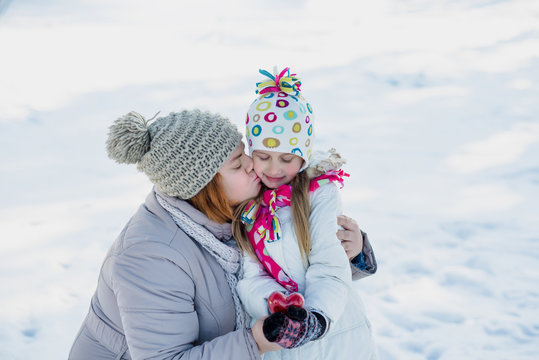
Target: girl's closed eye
{"points": [[287, 160]]}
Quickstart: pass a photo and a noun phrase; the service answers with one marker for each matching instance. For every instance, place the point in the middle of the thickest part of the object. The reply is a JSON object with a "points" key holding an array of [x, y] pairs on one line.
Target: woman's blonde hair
{"points": [[300, 205]]}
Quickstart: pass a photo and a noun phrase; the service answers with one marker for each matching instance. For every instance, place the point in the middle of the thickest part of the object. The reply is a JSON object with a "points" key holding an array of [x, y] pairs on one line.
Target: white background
{"points": [[433, 103]]}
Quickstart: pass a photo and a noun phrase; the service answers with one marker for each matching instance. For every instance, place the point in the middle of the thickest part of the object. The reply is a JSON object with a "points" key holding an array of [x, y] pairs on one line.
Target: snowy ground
{"points": [[434, 103]]}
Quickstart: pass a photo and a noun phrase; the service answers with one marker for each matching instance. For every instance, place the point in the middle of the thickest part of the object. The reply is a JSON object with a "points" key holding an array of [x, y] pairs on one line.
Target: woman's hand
{"points": [[351, 237], [263, 344]]}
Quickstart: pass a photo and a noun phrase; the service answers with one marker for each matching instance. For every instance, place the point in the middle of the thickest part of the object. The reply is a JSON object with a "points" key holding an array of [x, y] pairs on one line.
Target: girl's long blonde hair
{"points": [[301, 207]]}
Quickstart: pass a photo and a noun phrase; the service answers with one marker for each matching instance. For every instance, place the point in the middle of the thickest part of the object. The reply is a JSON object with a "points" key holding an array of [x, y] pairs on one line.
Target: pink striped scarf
{"points": [[263, 225]]}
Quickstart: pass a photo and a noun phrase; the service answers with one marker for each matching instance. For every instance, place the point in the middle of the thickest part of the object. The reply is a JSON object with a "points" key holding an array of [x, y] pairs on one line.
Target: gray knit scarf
{"points": [[228, 257]]}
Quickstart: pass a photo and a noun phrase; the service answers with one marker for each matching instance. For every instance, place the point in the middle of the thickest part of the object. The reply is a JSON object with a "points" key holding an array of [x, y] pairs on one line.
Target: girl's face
{"points": [[238, 179], [276, 168]]}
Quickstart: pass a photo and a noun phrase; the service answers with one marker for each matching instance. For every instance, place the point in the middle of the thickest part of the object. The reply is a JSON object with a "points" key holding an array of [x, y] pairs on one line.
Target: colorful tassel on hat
{"points": [[289, 84]]}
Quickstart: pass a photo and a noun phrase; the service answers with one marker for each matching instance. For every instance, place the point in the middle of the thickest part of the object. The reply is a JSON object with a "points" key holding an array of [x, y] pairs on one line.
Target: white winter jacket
{"points": [[326, 283]]}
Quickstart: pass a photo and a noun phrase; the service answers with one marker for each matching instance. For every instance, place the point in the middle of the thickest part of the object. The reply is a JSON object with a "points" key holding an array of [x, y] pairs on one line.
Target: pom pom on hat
{"points": [[129, 139], [180, 153]]}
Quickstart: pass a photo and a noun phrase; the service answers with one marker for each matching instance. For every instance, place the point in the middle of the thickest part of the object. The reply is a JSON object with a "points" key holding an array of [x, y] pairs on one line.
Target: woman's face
{"points": [[238, 179]]}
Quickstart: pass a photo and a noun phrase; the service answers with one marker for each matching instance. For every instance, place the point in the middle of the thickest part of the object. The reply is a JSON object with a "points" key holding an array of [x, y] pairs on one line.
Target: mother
{"points": [[166, 289]]}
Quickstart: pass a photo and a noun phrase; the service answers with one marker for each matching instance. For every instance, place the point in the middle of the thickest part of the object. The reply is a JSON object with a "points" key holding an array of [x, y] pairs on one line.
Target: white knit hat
{"points": [[280, 119]]}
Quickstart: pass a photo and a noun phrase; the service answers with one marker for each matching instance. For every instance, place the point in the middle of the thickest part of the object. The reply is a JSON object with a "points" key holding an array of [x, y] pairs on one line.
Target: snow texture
{"points": [[433, 103]]}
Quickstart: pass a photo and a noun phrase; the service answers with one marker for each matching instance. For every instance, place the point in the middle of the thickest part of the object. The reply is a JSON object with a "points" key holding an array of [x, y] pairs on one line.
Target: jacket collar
{"points": [[220, 231]]}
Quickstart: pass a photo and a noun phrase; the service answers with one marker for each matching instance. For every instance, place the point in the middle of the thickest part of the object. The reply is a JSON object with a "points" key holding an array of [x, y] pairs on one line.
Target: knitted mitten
{"points": [[295, 328]]}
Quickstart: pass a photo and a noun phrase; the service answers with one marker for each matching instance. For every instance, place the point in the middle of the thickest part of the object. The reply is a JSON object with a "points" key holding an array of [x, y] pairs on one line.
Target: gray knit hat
{"points": [[180, 152]]}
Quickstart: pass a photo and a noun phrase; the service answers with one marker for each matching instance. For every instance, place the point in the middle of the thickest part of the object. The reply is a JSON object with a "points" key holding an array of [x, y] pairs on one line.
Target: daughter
{"points": [[288, 235]]}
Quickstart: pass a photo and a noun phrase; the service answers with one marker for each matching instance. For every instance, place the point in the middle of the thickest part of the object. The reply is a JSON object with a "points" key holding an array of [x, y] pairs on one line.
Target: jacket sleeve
{"points": [[156, 302], [255, 287], [328, 277], [370, 261]]}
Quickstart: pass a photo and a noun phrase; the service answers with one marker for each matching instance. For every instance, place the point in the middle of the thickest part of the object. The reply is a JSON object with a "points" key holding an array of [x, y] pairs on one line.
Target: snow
{"points": [[434, 104]]}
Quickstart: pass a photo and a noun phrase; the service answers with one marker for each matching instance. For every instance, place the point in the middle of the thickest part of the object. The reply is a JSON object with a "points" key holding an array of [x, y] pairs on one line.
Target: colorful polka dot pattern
{"points": [[280, 122], [257, 129]]}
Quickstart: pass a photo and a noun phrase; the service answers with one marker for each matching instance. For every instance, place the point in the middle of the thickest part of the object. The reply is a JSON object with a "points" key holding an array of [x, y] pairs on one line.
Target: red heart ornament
{"points": [[278, 302]]}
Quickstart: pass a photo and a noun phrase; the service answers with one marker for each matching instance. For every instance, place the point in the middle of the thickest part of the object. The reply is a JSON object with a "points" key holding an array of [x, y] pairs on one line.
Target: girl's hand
{"points": [[295, 328], [351, 237]]}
